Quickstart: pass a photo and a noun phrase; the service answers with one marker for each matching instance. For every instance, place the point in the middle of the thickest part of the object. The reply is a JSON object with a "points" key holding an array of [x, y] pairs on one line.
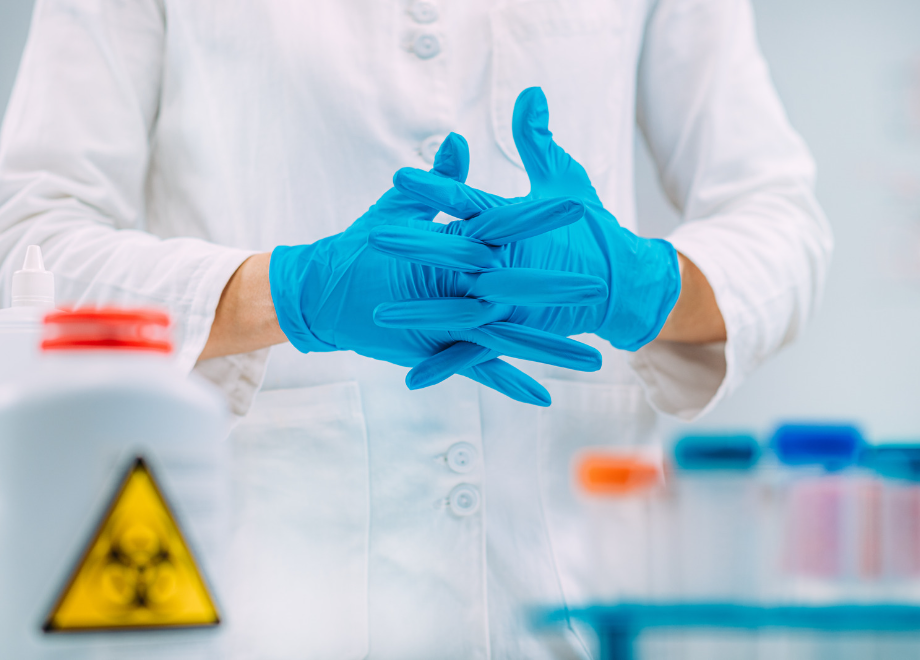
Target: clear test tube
{"points": [[898, 467], [716, 507], [821, 500], [619, 490], [828, 545]]}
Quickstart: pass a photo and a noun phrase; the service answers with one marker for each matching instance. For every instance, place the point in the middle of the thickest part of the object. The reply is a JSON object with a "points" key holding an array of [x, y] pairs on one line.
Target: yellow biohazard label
{"points": [[137, 572]]}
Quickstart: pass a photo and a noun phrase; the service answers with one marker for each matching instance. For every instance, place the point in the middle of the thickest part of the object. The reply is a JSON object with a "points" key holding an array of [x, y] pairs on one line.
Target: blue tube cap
{"points": [[895, 461], [833, 446], [716, 452]]}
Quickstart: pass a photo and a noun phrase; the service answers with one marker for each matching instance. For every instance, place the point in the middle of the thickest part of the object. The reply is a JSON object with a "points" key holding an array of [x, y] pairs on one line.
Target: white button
{"points": [[464, 500], [424, 12], [429, 147], [426, 46], [461, 457]]}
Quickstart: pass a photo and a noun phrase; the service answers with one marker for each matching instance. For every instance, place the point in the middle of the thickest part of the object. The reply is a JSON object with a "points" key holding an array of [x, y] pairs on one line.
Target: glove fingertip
{"points": [[531, 107], [404, 178], [594, 360], [542, 398], [574, 208], [513, 383], [415, 381], [382, 315], [453, 158], [601, 291], [530, 119], [384, 239], [373, 236], [423, 375]]}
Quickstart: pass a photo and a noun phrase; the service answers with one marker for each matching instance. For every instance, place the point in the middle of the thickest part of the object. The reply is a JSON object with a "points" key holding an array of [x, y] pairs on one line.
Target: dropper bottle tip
{"points": [[34, 261], [33, 286]]}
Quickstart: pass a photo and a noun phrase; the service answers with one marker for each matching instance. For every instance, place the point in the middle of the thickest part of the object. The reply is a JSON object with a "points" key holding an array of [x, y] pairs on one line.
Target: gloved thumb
{"points": [[453, 158], [552, 172]]}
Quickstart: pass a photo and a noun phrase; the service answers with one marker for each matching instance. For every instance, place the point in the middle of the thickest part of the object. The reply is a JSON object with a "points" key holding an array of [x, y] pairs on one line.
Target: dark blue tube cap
{"points": [[895, 461], [716, 452], [832, 446]]}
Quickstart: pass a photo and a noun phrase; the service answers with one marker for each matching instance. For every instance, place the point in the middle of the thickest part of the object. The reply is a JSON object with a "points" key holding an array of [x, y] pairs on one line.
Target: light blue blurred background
{"points": [[849, 74]]}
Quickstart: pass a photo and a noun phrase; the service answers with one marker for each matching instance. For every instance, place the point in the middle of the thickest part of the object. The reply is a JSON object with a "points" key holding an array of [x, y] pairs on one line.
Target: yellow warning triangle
{"points": [[137, 572]]}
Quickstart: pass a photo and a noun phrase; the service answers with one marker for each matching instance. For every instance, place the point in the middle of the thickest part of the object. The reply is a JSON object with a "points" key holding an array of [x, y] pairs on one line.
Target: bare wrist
{"points": [[245, 318], [696, 317]]}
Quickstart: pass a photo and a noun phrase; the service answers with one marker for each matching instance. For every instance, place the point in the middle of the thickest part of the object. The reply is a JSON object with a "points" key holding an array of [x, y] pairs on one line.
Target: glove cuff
{"points": [[642, 299], [289, 275]]}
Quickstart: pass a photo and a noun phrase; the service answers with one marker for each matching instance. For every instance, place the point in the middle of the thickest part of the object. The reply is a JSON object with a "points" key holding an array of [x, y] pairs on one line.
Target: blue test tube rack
{"points": [[834, 447], [618, 626]]}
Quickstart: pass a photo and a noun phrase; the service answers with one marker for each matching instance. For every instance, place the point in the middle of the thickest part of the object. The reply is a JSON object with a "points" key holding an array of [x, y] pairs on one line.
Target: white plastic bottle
{"points": [[96, 561], [20, 324]]}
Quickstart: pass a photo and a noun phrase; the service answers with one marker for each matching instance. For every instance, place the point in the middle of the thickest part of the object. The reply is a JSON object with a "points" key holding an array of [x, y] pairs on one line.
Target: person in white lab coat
{"points": [[158, 150]]}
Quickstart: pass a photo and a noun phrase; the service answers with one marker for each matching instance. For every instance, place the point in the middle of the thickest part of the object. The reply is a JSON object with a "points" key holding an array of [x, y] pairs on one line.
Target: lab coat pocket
{"points": [[300, 526], [573, 50], [599, 543]]}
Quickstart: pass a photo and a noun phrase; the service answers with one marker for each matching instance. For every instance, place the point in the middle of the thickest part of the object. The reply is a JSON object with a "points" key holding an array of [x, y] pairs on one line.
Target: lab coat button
{"points": [[424, 12], [429, 147], [426, 46], [464, 500], [460, 457]]}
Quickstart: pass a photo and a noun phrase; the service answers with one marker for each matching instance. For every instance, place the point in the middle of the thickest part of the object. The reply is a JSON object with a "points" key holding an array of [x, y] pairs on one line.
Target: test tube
{"points": [[822, 496], [716, 507], [828, 550], [898, 466], [617, 489]]}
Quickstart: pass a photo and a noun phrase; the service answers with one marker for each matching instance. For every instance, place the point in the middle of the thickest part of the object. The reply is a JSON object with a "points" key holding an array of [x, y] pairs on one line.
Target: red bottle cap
{"points": [[109, 329]]}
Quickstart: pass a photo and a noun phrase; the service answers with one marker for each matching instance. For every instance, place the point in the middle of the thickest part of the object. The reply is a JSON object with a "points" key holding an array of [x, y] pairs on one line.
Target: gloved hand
{"points": [[325, 293], [642, 274]]}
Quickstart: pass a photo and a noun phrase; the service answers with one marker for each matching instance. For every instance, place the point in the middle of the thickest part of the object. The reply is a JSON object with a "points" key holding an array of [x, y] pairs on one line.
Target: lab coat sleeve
{"points": [[743, 181], [74, 152]]}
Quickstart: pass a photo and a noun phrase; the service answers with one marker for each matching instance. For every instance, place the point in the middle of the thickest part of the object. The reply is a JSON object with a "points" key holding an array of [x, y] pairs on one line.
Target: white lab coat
{"points": [[151, 146]]}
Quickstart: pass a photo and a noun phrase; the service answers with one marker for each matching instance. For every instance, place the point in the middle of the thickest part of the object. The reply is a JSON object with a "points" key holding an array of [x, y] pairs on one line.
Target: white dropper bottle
{"points": [[21, 324]]}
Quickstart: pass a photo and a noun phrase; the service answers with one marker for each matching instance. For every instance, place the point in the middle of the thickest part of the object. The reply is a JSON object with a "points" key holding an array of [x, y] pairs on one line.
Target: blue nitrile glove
{"points": [[325, 293], [642, 274]]}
